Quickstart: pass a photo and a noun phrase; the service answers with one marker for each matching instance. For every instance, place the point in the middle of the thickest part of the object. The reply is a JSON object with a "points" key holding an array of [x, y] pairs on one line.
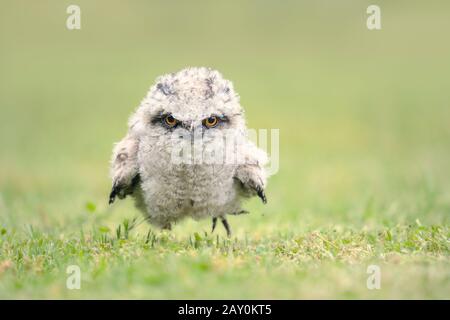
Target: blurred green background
{"points": [[364, 134]]}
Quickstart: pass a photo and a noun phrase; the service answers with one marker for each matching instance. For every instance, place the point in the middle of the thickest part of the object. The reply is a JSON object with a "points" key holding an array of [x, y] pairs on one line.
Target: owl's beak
{"points": [[192, 126]]}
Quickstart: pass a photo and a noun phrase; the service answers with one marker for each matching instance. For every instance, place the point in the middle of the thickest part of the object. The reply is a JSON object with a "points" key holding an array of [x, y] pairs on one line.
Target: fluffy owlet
{"points": [[186, 153]]}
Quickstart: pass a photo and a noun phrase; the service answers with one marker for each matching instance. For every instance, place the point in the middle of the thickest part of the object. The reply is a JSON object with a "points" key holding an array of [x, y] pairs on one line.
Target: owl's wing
{"points": [[124, 168], [251, 174]]}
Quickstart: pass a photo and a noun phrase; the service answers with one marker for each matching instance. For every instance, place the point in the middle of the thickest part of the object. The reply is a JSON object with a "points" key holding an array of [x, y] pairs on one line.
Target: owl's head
{"points": [[192, 99]]}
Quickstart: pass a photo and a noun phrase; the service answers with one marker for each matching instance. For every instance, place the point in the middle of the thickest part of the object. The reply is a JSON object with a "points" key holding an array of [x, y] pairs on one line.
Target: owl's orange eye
{"points": [[211, 122], [170, 121]]}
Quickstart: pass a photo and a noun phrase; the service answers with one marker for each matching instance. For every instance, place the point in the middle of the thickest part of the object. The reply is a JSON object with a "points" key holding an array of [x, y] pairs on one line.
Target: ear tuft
{"points": [[164, 88]]}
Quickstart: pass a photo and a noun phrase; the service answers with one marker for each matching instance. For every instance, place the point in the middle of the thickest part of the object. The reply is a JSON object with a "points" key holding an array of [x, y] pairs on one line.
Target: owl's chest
{"points": [[189, 180]]}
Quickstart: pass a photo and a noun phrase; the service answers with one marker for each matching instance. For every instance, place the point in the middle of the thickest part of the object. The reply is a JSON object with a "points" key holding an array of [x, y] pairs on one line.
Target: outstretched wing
{"points": [[124, 168], [251, 174]]}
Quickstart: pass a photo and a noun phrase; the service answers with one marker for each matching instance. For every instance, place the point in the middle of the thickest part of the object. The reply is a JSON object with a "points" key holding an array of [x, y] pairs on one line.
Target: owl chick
{"points": [[186, 153]]}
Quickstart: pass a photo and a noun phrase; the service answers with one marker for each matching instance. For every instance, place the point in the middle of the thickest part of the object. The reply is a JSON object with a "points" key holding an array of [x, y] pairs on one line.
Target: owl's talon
{"points": [[226, 225], [214, 222]]}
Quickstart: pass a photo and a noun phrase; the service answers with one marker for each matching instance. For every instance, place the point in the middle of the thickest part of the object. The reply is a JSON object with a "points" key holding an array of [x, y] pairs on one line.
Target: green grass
{"points": [[325, 263], [364, 140]]}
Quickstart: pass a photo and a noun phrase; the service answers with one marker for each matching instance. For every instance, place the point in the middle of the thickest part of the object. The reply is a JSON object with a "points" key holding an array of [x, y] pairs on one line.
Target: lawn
{"points": [[364, 176]]}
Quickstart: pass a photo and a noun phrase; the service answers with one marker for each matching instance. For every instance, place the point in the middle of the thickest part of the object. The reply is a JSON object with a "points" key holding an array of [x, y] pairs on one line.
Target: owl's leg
{"points": [[167, 226], [226, 225], [214, 222]]}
